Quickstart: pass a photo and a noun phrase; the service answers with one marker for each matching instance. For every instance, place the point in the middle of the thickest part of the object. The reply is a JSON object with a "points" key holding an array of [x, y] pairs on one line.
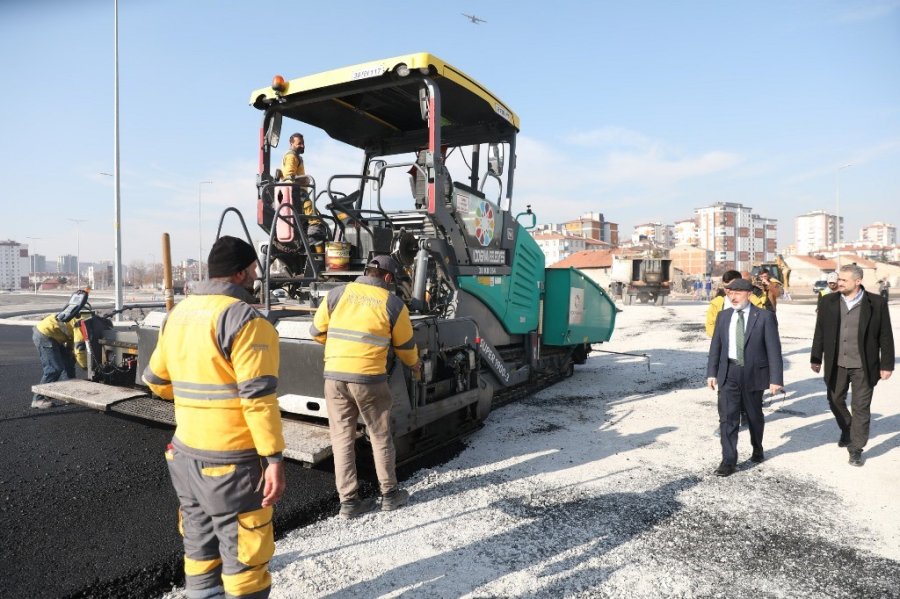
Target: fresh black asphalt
{"points": [[86, 507]]}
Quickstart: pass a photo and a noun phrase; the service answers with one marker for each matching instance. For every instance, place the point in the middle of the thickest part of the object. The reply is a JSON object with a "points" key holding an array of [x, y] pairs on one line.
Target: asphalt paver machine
{"points": [[491, 323]]}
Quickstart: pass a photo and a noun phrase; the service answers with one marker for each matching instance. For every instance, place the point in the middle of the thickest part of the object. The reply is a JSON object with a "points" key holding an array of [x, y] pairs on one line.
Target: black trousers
{"points": [[733, 397], [855, 421]]}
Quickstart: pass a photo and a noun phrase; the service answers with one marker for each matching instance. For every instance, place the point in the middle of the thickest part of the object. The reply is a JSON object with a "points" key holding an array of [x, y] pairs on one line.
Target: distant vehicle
{"points": [[474, 19], [642, 275], [819, 286]]}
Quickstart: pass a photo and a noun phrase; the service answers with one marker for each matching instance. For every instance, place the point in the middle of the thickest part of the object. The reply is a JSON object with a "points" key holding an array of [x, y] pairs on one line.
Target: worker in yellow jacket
{"points": [[358, 322], [717, 303], [218, 358], [292, 169], [60, 345]]}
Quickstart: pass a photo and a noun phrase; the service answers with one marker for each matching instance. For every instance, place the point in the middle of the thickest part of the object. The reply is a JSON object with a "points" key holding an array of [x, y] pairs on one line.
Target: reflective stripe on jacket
{"points": [[67, 334], [358, 323], [217, 357]]}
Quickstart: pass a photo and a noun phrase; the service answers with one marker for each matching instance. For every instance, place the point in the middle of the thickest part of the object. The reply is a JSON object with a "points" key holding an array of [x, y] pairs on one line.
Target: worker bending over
{"points": [[60, 345]]}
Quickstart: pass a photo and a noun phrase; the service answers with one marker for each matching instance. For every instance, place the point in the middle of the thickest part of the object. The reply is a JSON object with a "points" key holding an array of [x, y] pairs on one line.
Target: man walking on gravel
{"points": [[358, 322], [854, 340], [217, 357], [744, 360]]}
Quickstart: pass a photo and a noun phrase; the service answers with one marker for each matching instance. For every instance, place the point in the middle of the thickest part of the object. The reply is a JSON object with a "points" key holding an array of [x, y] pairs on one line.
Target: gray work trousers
{"points": [[346, 403], [228, 537]]}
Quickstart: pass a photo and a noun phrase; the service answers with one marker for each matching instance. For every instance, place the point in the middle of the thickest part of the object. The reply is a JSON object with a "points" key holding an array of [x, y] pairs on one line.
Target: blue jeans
{"points": [[57, 363]]}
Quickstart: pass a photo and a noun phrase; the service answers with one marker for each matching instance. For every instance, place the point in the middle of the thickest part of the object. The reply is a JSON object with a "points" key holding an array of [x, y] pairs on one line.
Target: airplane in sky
{"points": [[475, 20]]}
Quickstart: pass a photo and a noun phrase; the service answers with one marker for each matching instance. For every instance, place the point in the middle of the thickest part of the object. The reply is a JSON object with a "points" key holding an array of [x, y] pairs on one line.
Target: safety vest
{"points": [[218, 358], [358, 322]]}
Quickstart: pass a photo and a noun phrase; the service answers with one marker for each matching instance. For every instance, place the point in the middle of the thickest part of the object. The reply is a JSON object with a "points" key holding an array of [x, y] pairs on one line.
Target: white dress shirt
{"points": [[853, 301], [732, 326]]}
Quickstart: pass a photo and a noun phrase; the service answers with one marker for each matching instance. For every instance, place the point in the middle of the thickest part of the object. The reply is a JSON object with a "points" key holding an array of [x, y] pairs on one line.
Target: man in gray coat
{"points": [[744, 361], [854, 341]]}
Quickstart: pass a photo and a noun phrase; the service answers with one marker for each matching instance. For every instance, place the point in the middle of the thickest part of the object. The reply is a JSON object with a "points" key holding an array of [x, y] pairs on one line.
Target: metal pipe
{"points": [[168, 288], [421, 277]]}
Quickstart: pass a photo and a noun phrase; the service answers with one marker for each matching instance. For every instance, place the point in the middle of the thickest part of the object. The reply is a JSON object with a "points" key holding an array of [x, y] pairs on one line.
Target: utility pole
{"points": [[78, 222], [200, 227], [117, 219], [837, 198]]}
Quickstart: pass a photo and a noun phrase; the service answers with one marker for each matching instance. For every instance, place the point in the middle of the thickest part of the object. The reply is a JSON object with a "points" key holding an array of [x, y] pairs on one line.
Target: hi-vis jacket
{"points": [[361, 320], [67, 334], [292, 168], [218, 358], [717, 304]]}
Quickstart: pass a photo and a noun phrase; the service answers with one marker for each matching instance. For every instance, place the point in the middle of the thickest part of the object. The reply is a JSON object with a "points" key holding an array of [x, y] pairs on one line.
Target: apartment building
{"points": [[684, 232], [737, 237], [557, 246], [657, 233], [67, 264], [879, 233], [14, 265], [591, 225], [816, 231]]}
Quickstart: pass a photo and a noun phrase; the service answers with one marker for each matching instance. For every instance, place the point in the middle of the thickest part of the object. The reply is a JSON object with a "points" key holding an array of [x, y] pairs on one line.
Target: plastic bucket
{"points": [[337, 255]]}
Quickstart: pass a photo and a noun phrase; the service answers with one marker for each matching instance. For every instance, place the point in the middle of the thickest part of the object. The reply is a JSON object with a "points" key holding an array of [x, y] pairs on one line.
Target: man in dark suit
{"points": [[854, 341], [744, 361]]}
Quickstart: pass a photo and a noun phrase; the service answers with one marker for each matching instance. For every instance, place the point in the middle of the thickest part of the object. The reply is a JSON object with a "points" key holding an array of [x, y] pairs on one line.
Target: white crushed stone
{"points": [[602, 486]]}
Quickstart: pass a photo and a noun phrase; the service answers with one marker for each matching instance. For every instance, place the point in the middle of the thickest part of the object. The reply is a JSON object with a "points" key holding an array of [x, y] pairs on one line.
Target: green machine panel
{"points": [[514, 299], [576, 309]]}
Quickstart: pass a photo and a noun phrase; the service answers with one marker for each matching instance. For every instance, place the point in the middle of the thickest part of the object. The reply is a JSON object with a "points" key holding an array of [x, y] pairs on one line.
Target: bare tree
{"points": [[137, 271]]}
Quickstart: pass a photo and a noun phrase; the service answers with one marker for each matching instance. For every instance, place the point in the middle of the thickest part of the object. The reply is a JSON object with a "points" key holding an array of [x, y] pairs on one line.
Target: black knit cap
{"points": [[229, 255]]}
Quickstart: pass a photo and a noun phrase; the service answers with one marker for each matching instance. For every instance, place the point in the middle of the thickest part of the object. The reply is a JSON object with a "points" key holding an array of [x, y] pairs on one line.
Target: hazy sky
{"points": [[640, 110]]}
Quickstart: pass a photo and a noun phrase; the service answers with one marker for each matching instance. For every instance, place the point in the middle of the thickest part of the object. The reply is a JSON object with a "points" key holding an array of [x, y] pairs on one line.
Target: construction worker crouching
{"points": [[358, 322], [60, 344], [218, 358]]}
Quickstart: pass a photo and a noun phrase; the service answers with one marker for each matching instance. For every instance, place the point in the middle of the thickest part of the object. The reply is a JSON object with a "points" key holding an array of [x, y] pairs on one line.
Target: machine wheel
{"points": [[569, 369]]}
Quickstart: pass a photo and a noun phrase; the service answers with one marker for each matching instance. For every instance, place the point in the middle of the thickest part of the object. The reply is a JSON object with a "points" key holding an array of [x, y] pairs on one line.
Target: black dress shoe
{"points": [[724, 469], [757, 457], [845, 440], [856, 458]]}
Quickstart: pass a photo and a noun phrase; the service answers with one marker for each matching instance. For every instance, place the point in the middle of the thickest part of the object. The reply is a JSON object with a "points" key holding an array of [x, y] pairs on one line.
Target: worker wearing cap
{"points": [[292, 169], [60, 345], [832, 284], [358, 322], [217, 357]]}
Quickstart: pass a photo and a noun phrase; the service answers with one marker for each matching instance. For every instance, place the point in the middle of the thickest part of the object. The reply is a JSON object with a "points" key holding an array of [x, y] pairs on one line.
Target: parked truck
{"points": [[644, 276]]}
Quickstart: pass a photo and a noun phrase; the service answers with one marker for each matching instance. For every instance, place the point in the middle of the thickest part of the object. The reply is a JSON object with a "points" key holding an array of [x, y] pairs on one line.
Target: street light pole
{"points": [[200, 227], [837, 197], [77, 222], [116, 172]]}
